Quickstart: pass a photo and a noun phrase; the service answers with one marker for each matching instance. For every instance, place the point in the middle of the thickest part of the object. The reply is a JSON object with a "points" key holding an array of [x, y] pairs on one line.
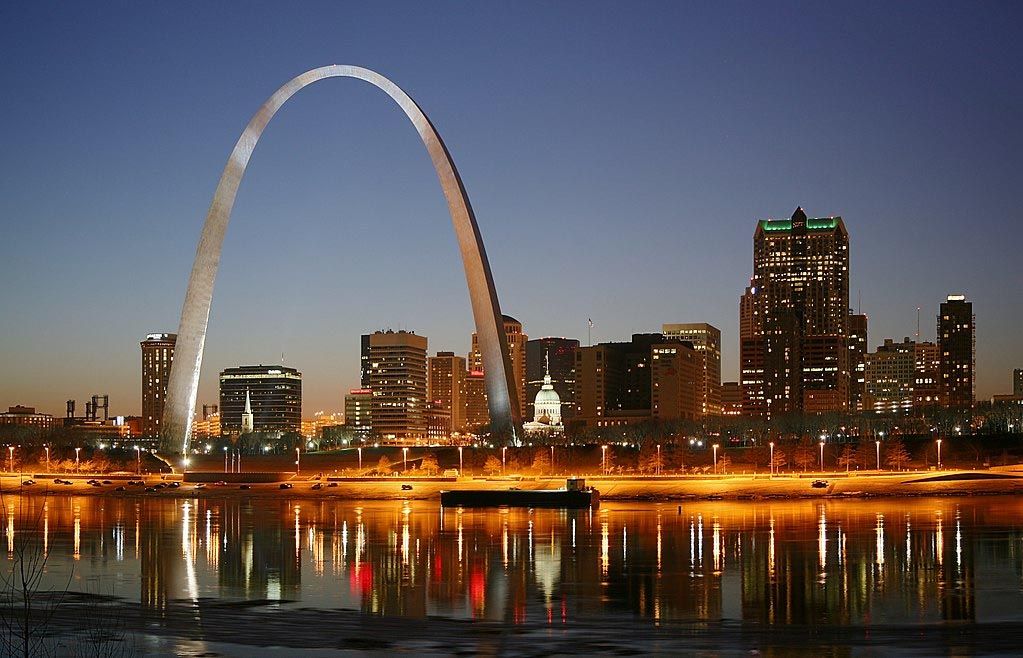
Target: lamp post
{"points": [[47, 459], [459, 461], [404, 459], [658, 459], [552, 460], [360, 459], [138, 460], [603, 459], [10, 459], [715, 458], [772, 459], [877, 445], [77, 460], [238, 461], [504, 451], [298, 460], [939, 454], [822, 456]]}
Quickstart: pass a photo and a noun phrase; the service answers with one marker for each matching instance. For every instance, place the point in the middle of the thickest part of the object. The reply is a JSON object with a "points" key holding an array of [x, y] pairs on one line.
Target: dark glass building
{"points": [[276, 397]]}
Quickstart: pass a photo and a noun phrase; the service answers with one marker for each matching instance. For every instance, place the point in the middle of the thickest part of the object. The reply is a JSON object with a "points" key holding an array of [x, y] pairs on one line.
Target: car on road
{"points": [[406, 487], [819, 484], [286, 485], [121, 488], [332, 484], [175, 485], [245, 486], [317, 486], [28, 483]]}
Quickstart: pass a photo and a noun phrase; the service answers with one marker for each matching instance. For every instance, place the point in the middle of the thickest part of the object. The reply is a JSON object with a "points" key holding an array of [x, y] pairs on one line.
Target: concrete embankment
{"points": [[732, 487]]}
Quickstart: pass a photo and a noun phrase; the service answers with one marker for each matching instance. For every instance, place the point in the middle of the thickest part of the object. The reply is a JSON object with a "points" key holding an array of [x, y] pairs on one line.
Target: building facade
{"points": [[731, 399], [676, 371], [274, 397], [1017, 382], [446, 387], [157, 357], [794, 317], [561, 354], [28, 417], [397, 377], [857, 345], [957, 342], [516, 354], [359, 411], [706, 340]]}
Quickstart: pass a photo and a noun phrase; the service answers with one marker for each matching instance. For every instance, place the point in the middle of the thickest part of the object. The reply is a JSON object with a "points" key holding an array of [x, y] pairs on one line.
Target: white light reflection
{"points": [[605, 547], [822, 541], [879, 540]]}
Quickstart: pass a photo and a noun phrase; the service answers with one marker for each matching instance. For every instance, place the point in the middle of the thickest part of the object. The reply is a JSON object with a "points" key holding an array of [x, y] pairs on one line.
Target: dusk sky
{"points": [[617, 156]]}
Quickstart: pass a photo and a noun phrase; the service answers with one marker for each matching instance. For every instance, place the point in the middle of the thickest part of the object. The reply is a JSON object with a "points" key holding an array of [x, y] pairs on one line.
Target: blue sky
{"points": [[617, 155]]}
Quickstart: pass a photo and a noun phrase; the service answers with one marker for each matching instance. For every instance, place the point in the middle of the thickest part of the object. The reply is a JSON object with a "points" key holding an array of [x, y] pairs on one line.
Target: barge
{"points": [[575, 495]]}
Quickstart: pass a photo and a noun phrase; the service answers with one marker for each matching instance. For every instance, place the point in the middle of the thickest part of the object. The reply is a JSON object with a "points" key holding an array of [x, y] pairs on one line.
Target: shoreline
{"points": [[752, 488]]}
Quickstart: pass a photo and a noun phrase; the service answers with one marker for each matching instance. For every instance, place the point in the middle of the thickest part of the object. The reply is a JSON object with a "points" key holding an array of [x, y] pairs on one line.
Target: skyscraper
{"points": [[359, 411], [613, 383], [561, 352], [397, 377], [273, 395], [956, 347], [796, 313], [516, 354], [446, 386], [477, 417], [706, 340], [857, 345], [1017, 382], [157, 356]]}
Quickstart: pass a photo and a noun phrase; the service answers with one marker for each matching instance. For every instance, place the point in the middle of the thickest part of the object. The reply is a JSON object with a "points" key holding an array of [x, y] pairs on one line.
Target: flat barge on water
{"points": [[575, 495]]}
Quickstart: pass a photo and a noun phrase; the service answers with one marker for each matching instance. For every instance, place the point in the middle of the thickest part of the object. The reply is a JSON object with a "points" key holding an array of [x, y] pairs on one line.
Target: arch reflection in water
{"points": [[768, 563]]}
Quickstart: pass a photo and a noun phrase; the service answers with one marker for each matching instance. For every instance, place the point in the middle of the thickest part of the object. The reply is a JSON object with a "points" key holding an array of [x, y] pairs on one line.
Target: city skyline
{"points": [[85, 300]]}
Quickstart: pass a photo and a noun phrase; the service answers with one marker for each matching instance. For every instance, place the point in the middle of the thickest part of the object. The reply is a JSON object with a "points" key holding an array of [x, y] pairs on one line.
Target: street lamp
{"points": [[877, 445], [715, 458], [10, 459], [77, 461], [658, 459], [822, 456], [504, 451], [459, 460], [360, 459], [772, 459], [298, 460], [603, 459], [47, 459], [404, 459], [939, 454], [552, 460], [225, 459], [138, 460]]}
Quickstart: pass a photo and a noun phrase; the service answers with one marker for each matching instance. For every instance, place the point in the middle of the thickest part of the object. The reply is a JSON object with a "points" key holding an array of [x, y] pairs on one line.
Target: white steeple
{"points": [[247, 426]]}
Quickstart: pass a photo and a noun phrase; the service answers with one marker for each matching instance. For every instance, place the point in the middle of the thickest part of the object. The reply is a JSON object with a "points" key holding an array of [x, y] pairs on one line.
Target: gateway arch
{"points": [[183, 384]]}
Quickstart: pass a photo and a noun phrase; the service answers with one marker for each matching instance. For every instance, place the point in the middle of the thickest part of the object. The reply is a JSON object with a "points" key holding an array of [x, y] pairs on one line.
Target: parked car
{"points": [[121, 488], [28, 483], [107, 482], [286, 485], [245, 486], [332, 484], [317, 486], [406, 487], [819, 484], [175, 485]]}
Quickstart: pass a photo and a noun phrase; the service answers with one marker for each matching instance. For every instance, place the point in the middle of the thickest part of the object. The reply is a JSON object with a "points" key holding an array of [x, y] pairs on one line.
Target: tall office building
{"points": [[359, 411], [157, 356], [446, 386], [731, 399], [857, 344], [926, 384], [1017, 382], [397, 377], [274, 396], [706, 340], [613, 383], [798, 315], [676, 372], [477, 415], [956, 347], [561, 352], [516, 354]]}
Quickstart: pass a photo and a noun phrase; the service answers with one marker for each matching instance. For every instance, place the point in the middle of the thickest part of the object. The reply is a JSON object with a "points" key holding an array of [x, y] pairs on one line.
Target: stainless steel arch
{"points": [[184, 375]]}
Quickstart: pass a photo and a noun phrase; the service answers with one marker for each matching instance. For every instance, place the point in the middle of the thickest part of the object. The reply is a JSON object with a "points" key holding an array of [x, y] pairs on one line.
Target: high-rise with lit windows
{"points": [[397, 377], [956, 345], [157, 356], [706, 340], [797, 315]]}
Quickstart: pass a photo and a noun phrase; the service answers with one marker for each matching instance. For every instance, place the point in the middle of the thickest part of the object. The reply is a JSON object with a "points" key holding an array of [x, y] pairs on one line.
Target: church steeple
{"points": [[247, 424]]}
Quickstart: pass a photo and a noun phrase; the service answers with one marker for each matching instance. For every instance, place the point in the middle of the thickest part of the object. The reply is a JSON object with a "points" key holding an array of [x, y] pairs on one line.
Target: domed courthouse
{"points": [[546, 408]]}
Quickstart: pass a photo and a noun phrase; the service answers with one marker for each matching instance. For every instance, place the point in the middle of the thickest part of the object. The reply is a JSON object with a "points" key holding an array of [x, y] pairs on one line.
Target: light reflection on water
{"points": [[840, 562]]}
